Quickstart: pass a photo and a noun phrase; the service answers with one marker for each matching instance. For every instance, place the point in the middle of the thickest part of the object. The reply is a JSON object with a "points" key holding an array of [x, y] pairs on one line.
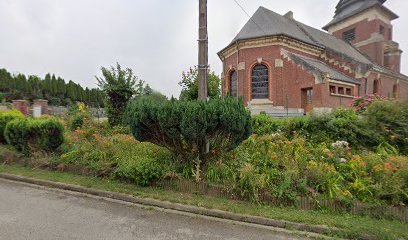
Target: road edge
{"points": [[316, 230]]}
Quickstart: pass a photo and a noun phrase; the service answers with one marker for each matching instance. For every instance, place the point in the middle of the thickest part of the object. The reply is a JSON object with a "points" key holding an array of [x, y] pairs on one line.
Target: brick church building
{"points": [[284, 67]]}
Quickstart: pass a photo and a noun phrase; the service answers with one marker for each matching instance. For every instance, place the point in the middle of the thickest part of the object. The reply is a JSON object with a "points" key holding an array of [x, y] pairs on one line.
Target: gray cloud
{"points": [[156, 38]]}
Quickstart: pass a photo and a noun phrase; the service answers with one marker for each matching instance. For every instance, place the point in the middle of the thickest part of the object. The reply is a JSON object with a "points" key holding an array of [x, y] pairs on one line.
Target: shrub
{"points": [[141, 170], [118, 155], [35, 134], [6, 117], [182, 127], [289, 168], [389, 119], [340, 124], [119, 129], [77, 121], [16, 134], [360, 104], [46, 134], [78, 116]]}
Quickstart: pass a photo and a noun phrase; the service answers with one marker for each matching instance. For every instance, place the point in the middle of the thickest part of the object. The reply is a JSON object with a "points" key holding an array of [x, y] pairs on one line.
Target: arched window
{"points": [[260, 82], [376, 87], [233, 84]]}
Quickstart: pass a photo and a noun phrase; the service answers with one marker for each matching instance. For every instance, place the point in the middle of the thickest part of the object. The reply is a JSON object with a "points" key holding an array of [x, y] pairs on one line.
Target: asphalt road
{"points": [[28, 212]]}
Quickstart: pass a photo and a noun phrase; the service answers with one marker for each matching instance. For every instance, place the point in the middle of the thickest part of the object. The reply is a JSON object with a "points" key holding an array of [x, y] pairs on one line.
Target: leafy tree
{"points": [[148, 90], [189, 84], [143, 89], [140, 85], [54, 101], [119, 87]]}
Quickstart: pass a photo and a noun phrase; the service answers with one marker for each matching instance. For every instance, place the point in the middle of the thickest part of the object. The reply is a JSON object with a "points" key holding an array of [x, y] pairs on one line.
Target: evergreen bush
{"points": [[16, 134], [184, 126], [6, 117], [45, 134]]}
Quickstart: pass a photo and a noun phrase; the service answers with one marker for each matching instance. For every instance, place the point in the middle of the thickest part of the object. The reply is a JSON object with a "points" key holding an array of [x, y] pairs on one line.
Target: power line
{"points": [[243, 9]]}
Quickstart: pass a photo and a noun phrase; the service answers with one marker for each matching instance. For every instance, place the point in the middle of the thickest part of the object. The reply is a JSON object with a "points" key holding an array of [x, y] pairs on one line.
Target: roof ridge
{"points": [[300, 59], [307, 34]]}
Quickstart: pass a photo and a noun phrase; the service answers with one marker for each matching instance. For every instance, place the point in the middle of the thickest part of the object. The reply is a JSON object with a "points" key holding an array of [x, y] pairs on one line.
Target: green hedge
{"points": [[6, 117], [341, 124], [45, 134]]}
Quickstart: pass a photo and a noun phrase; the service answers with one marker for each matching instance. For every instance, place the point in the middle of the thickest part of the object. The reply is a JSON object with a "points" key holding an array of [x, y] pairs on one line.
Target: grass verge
{"points": [[355, 226]]}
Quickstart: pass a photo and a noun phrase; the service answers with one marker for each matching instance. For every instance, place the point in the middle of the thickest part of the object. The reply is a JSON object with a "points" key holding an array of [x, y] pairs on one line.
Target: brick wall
{"points": [[22, 106], [403, 90], [375, 48], [286, 81], [365, 28]]}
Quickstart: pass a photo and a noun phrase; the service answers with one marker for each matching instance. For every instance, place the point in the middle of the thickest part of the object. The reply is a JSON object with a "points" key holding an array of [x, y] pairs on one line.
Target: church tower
{"points": [[367, 25]]}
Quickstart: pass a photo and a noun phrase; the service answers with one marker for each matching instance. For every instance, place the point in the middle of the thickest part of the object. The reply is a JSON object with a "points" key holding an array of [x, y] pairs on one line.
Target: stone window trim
{"points": [[228, 79], [333, 89], [249, 77], [339, 90]]}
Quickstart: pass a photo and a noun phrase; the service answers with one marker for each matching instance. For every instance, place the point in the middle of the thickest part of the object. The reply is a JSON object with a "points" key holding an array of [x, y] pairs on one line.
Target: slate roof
{"points": [[348, 8], [315, 65], [266, 23]]}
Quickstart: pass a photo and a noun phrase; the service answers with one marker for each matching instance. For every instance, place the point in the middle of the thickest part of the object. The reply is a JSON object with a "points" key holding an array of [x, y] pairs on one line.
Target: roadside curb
{"points": [[315, 229]]}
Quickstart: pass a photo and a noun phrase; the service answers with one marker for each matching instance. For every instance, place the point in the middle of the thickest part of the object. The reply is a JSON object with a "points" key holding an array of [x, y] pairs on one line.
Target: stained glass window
{"points": [[233, 84], [260, 82]]}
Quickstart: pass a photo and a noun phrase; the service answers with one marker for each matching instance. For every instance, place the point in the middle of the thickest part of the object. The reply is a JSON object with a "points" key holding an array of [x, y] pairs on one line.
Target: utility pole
{"points": [[203, 52], [202, 72]]}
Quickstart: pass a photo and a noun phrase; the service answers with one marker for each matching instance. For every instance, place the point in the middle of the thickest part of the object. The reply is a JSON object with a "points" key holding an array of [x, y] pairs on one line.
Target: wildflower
{"points": [[340, 144], [388, 166], [363, 164], [343, 160], [274, 157]]}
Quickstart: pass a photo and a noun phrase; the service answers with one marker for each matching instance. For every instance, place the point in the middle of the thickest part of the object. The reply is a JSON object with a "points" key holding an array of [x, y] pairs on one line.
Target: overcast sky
{"points": [[156, 38]]}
